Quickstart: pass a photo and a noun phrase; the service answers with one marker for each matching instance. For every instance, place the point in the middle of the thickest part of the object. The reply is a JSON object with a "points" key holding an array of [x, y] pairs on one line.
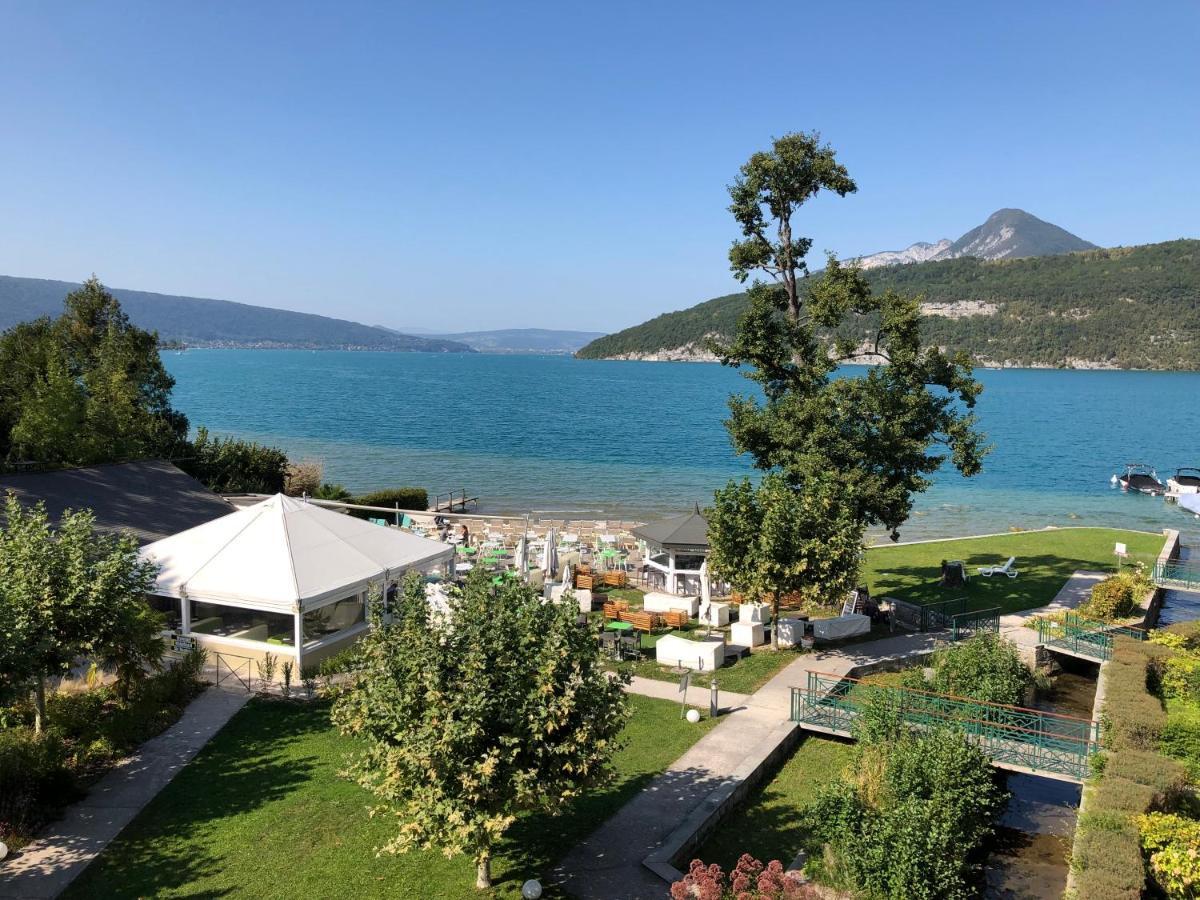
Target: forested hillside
{"points": [[1128, 307], [220, 323]]}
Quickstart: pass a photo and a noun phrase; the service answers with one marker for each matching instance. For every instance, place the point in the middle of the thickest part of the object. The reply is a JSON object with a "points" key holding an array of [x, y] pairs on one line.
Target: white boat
{"points": [[1186, 480]]}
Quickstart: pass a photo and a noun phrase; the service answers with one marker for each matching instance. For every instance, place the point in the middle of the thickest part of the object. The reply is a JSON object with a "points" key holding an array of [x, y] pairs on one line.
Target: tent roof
{"points": [[686, 532], [283, 554]]}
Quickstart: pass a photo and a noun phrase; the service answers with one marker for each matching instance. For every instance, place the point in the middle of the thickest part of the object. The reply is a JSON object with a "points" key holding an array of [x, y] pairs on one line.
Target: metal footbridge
{"points": [[1083, 638], [1018, 739], [1177, 575]]}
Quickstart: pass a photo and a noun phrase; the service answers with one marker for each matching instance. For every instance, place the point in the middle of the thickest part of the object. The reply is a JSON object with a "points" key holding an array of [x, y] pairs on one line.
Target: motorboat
{"points": [[1185, 481], [1141, 479]]}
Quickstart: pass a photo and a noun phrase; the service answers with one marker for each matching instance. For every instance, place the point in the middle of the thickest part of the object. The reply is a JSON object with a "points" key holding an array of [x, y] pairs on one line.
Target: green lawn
{"points": [[745, 676], [261, 812], [771, 824], [1045, 560]]}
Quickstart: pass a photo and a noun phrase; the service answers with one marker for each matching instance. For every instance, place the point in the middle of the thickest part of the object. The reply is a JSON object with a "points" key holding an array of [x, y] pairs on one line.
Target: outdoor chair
{"points": [[608, 642], [1006, 569], [630, 645]]}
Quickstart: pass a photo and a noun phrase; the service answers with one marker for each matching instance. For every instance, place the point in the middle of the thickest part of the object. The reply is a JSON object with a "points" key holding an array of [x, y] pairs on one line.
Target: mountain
{"points": [[525, 340], [1007, 234], [216, 323], [1126, 307], [921, 251]]}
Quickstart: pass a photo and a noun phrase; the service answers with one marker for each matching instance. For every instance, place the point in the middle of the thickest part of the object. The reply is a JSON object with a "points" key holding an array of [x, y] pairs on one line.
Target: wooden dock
{"points": [[453, 501]]}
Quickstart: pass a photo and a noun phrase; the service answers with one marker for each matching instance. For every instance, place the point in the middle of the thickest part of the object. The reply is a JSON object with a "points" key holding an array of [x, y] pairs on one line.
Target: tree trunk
{"points": [[39, 705], [775, 620], [483, 871]]}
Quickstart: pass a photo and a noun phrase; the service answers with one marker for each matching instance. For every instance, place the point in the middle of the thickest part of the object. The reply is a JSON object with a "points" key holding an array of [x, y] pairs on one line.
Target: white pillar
{"points": [[299, 639], [185, 607], [670, 571]]}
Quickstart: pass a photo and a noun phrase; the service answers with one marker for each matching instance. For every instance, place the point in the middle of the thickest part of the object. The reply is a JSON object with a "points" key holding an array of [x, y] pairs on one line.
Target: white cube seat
{"points": [[718, 614], [747, 634], [754, 612], [700, 656], [790, 632]]}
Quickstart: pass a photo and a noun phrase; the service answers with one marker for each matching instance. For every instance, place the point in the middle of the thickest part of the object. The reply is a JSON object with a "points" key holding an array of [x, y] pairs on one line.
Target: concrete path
{"points": [[1075, 592], [45, 868], [609, 863]]}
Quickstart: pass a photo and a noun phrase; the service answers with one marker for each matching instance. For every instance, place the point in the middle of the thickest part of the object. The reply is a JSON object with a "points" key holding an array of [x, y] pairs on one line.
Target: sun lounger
{"points": [[1006, 569]]}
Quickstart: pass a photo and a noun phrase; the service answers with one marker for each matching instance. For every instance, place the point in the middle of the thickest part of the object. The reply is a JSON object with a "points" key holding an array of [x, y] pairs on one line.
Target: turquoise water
{"points": [[551, 433]]}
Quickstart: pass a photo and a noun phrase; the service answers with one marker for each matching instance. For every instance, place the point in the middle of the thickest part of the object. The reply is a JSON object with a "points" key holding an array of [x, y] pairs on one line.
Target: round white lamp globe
{"points": [[532, 889], [693, 716]]}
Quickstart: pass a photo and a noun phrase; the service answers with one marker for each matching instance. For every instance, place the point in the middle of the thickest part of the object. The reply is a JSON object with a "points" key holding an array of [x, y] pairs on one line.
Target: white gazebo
{"points": [[282, 576], [677, 547]]}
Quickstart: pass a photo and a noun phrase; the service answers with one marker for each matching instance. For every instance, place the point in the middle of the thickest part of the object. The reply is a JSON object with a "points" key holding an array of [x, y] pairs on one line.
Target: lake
{"points": [[635, 439]]}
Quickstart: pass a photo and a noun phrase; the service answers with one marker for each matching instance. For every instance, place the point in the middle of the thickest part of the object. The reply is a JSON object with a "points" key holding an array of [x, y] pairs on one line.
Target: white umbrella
{"points": [[550, 554], [521, 557], [705, 591]]}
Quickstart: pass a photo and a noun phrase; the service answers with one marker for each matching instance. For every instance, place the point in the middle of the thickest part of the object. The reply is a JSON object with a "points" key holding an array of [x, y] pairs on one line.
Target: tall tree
{"points": [[68, 593], [470, 717], [777, 541], [879, 434], [87, 387]]}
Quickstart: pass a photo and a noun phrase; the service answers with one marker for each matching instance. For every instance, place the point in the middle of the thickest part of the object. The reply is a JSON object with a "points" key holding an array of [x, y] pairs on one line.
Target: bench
{"points": [[641, 621], [675, 618]]}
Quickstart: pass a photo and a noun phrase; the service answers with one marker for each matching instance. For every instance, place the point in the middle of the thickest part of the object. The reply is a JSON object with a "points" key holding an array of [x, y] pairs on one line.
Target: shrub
{"points": [[1174, 846], [303, 477], [1117, 596], [266, 670], [286, 674], [34, 780], [750, 880], [231, 466], [403, 497], [909, 821], [984, 668]]}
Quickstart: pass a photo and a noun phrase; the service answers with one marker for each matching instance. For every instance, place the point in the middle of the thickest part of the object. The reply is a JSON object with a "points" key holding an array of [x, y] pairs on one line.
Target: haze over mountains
{"points": [[1007, 234]]}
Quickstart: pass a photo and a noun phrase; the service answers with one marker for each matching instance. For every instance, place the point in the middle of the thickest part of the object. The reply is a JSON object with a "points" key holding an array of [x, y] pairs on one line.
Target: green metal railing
{"points": [[936, 616], [969, 624], [1084, 637], [1032, 739], [1177, 575]]}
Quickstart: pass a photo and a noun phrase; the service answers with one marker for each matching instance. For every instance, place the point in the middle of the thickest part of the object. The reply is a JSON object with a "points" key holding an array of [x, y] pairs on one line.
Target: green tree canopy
{"points": [[87, 387], [67, 593], [470, 717], [779, 540], [879, 435]]}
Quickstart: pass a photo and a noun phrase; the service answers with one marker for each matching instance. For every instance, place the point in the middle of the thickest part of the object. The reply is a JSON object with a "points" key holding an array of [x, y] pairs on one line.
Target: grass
{"points": [[262, 812], [745, 676], [1045, 560], [772, 823]]}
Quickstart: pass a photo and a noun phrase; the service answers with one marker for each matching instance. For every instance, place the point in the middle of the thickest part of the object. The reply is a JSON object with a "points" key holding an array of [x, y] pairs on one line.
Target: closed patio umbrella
{"points": [[521, 557], [550, 554], [705, 591]]}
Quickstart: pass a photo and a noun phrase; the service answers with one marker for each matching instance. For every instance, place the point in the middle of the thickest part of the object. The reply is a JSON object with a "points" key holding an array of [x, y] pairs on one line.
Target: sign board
{"points": [[1120, 550], [683, 682], [184, 643]]}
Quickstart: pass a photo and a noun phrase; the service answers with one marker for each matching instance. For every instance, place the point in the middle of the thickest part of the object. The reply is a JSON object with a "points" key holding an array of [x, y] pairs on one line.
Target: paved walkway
{"points": [[44, 868], [609, 863], [1075, 592], [697, 693]]}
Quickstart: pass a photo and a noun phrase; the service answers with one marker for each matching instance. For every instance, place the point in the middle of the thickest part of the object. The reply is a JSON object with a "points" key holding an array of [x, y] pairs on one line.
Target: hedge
{"points": [[404, 497], [1136, 778]]}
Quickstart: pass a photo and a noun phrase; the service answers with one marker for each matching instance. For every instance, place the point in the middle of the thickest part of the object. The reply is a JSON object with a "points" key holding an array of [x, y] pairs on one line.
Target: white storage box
{"points": [[658, 602], [700, 656]]}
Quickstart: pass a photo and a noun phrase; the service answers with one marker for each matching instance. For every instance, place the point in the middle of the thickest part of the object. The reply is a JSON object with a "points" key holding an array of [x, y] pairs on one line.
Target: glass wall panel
{"points": [[244, 624], [169, 608], [689, 561], [345, 613]]}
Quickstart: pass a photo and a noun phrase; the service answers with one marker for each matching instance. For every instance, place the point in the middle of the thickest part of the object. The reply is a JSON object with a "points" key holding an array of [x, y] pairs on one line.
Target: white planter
{"points": [[747, 634], [701, 656]]}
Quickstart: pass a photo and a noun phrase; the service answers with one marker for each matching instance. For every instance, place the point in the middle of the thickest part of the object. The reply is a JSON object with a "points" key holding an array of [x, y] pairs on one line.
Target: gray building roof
{"points": [[686, 532], [151, 499]]}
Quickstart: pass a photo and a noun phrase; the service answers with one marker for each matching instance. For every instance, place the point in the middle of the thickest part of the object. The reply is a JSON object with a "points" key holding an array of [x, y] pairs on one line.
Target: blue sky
{"points": [[454, 166]]}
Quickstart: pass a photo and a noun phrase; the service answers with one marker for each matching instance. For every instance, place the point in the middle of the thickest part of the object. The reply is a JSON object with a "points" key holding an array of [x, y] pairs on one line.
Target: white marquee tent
{"points": [[284, 557]]}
